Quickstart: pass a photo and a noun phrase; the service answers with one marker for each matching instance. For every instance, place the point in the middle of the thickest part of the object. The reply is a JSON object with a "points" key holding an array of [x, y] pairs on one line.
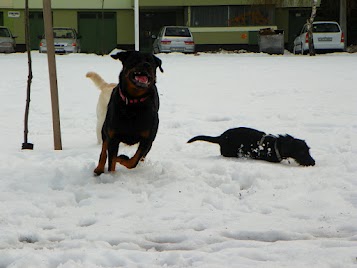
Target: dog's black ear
{"points": [[122, 56], [158, 63]]}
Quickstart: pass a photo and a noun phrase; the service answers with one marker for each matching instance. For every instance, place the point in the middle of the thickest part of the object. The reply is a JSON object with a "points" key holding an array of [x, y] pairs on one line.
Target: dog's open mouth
{"points": [[141, 79]]}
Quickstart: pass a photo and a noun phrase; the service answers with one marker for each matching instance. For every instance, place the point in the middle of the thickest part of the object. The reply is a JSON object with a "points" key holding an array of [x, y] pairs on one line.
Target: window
{"points": [[251, 15], [215, 16], [175, 31], [209, 16], [63, 33], [4, 32], [304, 29], [325, 28]]}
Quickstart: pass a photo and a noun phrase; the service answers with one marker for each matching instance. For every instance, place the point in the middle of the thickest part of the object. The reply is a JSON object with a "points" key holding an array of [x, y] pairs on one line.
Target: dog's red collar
{"points": [[131, 101]]}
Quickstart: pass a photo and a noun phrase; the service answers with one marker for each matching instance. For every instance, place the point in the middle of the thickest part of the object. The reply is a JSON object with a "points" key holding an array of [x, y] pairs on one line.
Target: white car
{"points": [[327, 36], [7, 40], [66, 40], [174, 39]]}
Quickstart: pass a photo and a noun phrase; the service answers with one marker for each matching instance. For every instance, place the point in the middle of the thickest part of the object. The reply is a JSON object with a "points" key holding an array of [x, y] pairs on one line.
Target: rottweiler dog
{"points": [[255, 144], [132, 115]]}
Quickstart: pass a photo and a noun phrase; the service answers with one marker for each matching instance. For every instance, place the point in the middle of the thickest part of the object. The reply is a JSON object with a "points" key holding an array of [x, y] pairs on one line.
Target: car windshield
{"points": [[63, 33], [4, 32], [180, 32], [325, 28]]}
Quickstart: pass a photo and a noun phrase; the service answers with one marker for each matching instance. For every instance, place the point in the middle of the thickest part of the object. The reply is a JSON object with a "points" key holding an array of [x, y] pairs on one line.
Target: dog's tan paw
{"points": [[98, 171]]}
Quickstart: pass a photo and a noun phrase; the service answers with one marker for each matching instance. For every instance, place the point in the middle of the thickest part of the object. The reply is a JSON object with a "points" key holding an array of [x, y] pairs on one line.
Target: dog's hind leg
{"points": [[130, 162], [144, 148], [100, 123]]}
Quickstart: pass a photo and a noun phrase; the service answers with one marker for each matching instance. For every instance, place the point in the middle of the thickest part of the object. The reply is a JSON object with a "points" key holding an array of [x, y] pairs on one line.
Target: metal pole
{"points": [[47, 17], [136, 24]]}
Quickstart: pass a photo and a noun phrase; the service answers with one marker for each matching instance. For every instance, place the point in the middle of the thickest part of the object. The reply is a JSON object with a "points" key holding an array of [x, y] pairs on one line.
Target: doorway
{"points": [[98, 31], [36, 28], [297, 19], [151, 23]]}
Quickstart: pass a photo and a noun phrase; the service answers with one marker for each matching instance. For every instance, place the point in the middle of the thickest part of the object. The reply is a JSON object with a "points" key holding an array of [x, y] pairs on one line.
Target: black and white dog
{"points": [[255, 144]]}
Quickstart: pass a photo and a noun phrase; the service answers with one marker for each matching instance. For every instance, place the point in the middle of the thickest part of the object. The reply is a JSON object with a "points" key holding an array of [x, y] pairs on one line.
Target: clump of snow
{"points": [[185, 206]]}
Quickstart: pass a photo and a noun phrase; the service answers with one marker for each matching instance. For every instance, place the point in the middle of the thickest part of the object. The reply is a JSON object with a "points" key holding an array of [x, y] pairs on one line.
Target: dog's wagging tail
{"points": [[255, 144]]}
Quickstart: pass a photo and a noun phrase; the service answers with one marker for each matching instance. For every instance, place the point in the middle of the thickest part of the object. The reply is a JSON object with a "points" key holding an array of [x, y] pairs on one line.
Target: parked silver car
{"points": [[7, 40], [174, 39], [327, 36], [66, 40]]}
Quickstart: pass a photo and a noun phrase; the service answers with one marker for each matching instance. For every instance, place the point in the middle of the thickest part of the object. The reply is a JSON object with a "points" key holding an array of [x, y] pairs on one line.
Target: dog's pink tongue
{"points": [[142, 79]]}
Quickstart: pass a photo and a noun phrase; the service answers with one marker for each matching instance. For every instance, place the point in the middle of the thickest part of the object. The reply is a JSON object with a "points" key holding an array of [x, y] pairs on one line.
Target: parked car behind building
{"points": [[66, 40], [7, 40], [327, 36], [174, 39]]}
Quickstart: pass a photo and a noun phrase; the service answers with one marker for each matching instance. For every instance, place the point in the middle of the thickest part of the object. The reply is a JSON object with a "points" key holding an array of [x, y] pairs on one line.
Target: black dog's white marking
{"points": [[255, 144]]}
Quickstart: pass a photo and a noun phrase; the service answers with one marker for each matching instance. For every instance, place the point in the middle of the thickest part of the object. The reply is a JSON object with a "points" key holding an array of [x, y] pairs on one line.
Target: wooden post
{"points": [[47, 17]]}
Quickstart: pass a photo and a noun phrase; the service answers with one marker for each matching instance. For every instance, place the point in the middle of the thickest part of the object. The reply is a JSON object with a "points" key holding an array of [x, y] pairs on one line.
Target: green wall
{"points": [[16, 25], [227, 35], [282, 21], [76, 4], [126, 4], [68, 18], [125, 22], [65, 14], [285, 3], [240, 37], [6, 3], [65, 18]]}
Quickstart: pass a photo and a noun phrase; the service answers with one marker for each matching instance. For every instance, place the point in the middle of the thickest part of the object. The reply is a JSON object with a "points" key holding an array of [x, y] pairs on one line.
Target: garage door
{"points": [[36, 28], [99, 33], [297, 19]]}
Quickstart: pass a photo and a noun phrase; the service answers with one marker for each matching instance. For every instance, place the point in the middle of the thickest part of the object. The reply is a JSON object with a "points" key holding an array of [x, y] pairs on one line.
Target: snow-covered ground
{"points": [[185, 206]]}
